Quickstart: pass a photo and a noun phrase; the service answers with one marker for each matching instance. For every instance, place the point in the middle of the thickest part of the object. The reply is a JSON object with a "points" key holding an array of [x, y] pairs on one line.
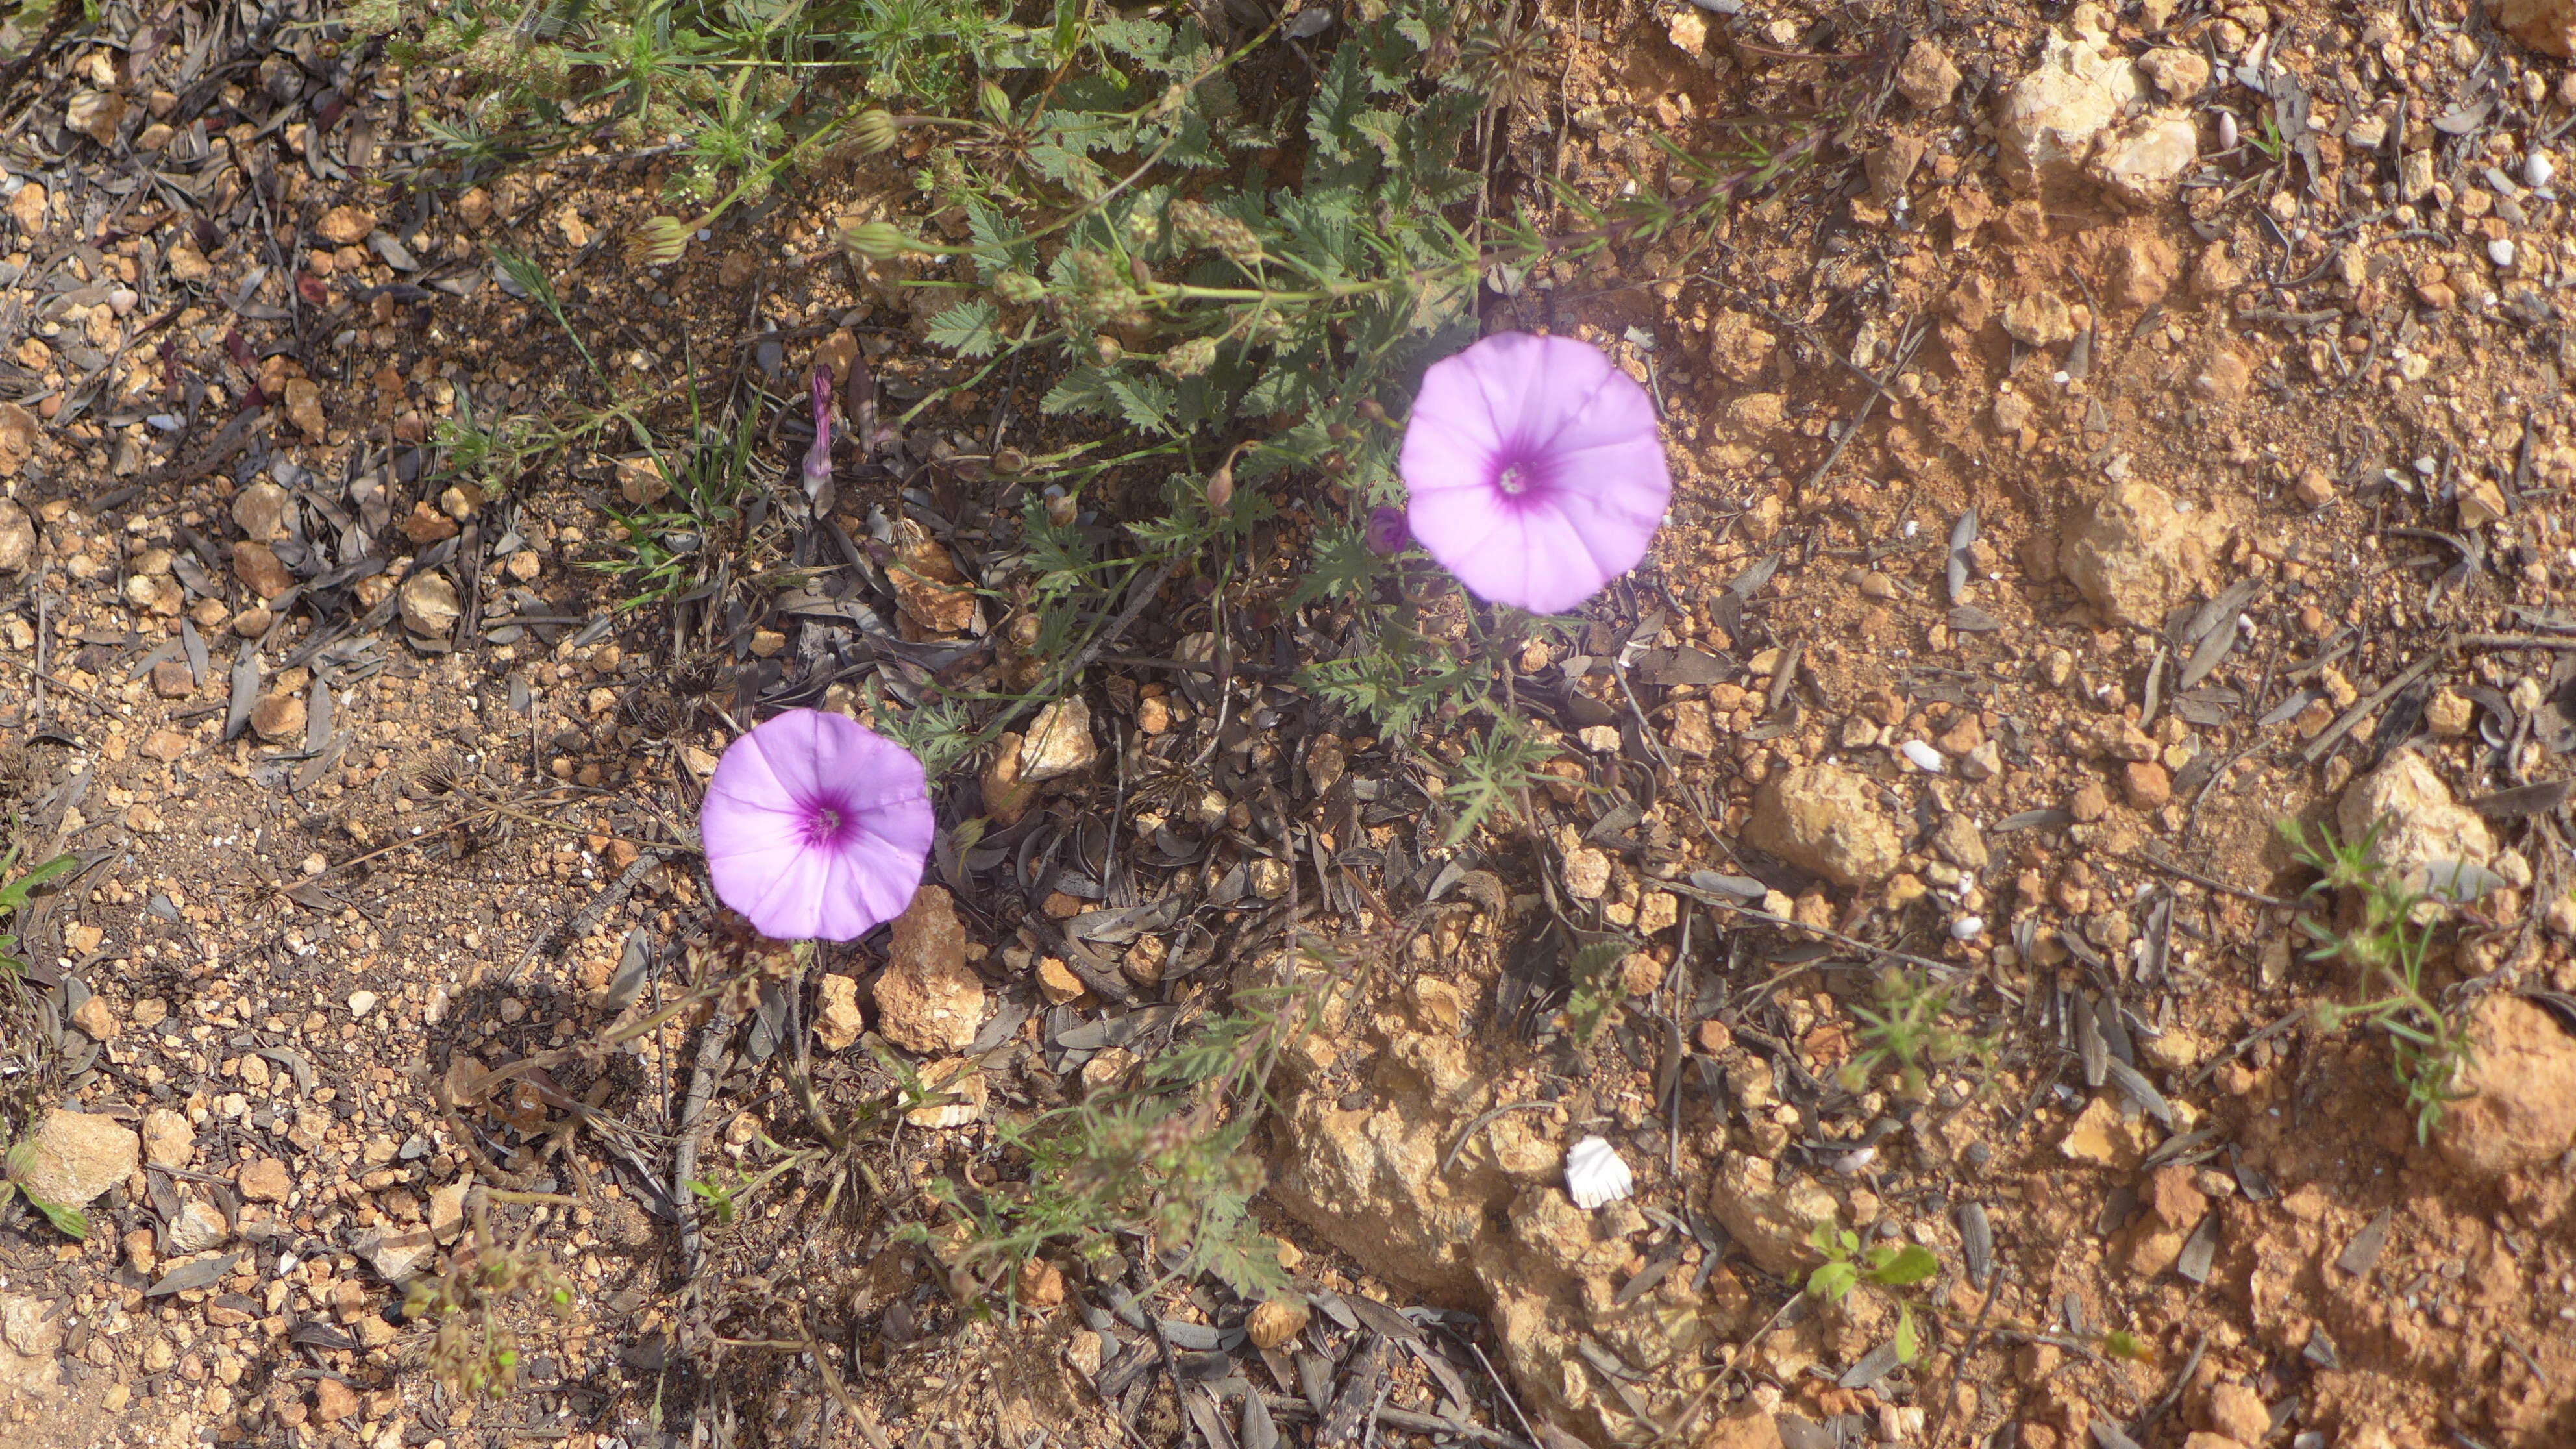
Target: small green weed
{"points": [[472, 1350], [2430, 1048], [1889, 1267], [1910, 1032]]}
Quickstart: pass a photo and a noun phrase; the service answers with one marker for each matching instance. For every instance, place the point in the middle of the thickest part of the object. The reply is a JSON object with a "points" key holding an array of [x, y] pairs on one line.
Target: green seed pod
{"points": [[1019, 288], [874, 131], [658, 240], [874, 241]]}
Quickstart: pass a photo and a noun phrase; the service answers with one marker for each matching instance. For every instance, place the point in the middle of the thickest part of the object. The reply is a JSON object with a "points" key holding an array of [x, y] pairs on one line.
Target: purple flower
{"points": [[1535, 471], [818, 458], [1387, 531], [815, 827]]}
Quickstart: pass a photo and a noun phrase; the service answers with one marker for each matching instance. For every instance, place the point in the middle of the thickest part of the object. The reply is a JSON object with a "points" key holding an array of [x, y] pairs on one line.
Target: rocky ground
{"points": [[2143, 427]]}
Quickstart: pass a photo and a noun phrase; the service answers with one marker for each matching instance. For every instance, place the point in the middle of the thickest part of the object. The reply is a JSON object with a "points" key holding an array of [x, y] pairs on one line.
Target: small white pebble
{"points": [[2500, 251], [1594, 1174], [2227, 130], [361, 1002], [2537, 172], [1925, 758], [1967, 928], [1856, 1161]]}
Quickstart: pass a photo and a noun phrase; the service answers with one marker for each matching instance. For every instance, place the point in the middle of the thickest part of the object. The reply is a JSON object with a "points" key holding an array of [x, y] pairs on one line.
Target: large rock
{"points": [[17, 538], [2425, 830], [2524, 1075], [1059, 742], [1368, 1179], [2051, 118], [1770, 1218], [72, 1157], [2547, 26], [1828, 820], [928, 999], [2135, 554], [2141, 160]]}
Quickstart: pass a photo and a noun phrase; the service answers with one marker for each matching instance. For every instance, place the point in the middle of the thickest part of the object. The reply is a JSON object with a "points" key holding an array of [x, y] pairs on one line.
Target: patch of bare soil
{"points": [[2136, 429]]}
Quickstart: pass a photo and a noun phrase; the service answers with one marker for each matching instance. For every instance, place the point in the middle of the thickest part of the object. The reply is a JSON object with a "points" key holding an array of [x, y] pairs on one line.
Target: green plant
{"points": [[1163, 1155], [16, 1021], [2430, 1049], [1911, 1032], [472, 1350], [15, 895], [1887, 1266]]}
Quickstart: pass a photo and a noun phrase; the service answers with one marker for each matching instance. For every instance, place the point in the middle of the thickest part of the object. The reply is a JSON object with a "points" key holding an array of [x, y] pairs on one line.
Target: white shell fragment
{"points": [[1594, 1174], [1967, 928], [1925, 758]]}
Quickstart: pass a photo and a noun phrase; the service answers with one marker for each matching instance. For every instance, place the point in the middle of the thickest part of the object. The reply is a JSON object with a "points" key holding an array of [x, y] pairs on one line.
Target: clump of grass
{"points": [[1911, 1032], [2430, 1048]]}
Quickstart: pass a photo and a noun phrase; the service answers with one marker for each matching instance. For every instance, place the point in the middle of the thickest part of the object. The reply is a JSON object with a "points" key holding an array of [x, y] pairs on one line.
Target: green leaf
{"points": [[1831, 1281], [70, 1222], [1908, 1346], [1901, 1267], [15, 893], [2122, 1344], [969, 329]]}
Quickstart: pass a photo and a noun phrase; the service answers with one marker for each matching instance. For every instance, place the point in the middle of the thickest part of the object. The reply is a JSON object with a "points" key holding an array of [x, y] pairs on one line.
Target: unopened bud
{"points": [[1338, 432], [1106, 350], [874, 241], [1137, 269], [874, 131], [1220, 490], [1369, 409], [1336, 464], [1061, 509], [996, 102], [659, 240], [1191, 358], [1018, 288], [1010, 460]]}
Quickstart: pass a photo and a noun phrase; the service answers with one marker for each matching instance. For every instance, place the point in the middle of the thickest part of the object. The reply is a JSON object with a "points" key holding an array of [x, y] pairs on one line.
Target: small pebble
{"points": [[2227, 130], [1925, 758], [2500, 251], [1967, 928], [361, 1002], [2537, 172]]}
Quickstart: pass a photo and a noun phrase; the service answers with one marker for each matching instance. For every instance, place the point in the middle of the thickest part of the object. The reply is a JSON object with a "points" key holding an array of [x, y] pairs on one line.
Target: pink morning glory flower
{"points": [[1535, 471], [816, 827], [818, 458]]}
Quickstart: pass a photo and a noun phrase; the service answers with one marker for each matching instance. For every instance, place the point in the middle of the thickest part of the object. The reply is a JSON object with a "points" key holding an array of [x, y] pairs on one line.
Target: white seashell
{"points": [[1967, 928], [1594, 1174], [1925, 758], [2500, 252], [2226, 130], [2536, 170]]}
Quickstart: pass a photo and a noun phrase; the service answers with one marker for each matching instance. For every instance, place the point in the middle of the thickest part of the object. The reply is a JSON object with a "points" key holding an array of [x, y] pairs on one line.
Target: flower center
{"points": [[1512, 481], [823, 825]]}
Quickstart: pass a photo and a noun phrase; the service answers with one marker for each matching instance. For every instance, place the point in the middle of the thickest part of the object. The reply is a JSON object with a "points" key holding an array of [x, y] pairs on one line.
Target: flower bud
{"points": [[874, 241], [1009, 461], [1369, 409], [658, 240], [1191, 358], [1106, 351], [1336, 464], [874, 131], [1338, 432], [1388, 533], [996, 102], [1019, 288], [1220, 489], [1137, 269], [1061, 509]]}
